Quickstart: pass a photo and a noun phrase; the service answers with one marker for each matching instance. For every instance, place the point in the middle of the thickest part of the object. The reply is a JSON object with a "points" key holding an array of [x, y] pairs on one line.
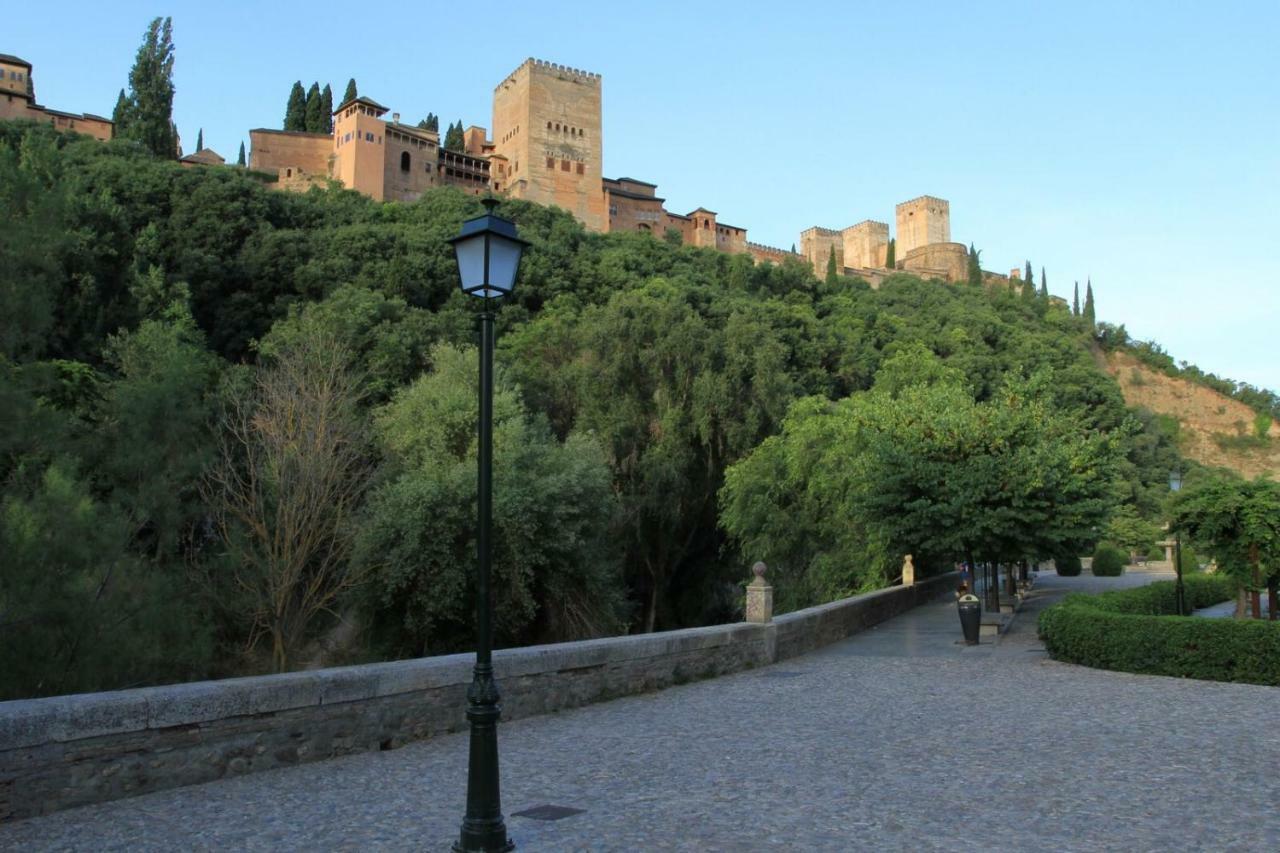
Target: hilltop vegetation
{"points": [[239, 426]]}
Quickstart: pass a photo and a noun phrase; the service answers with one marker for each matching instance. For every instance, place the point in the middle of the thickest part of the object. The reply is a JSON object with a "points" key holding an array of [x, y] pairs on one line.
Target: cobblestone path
{"points": [[896, 739]]}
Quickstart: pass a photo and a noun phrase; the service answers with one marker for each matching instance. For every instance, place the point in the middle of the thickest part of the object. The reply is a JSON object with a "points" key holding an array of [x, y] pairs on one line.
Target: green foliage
{"points": [[147, 114], [1075, 301], [1237, 522], [240, 158], [1262, 426], [1190, 561], [1133, 631], [891, 257], [431, 122], [295, 114], [1132, 533], [1108, 561], [453, 138], [1068, 565], [832, 271], [1089, 313], [326, 110], [350, 92], [200, 140], [555, 572], [975, 266], [313, 112]]}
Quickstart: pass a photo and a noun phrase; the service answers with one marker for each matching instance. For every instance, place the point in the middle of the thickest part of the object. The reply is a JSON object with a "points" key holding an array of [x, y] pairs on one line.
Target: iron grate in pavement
{"points": [[783, 673], [548, 812]]}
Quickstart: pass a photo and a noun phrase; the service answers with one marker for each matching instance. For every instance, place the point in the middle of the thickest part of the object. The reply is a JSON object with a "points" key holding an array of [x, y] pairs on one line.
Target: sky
{"points": [[1133, 144]]}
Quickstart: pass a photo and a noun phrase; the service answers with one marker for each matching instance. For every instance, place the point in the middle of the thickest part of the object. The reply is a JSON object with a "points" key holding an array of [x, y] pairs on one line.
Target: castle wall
{"points": [[816, 245], [948, 261], [410, 164], [866, 245], [547, 123], [290, 153], [770, 254], [922, 221]]}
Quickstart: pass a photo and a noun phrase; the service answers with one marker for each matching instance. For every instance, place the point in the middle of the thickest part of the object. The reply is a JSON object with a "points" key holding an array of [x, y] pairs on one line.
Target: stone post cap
{"points": [[759, 569]]}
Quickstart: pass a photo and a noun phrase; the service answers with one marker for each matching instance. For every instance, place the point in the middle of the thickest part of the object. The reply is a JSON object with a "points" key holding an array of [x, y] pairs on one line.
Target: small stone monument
{"points": [[908, 571], [759, 597]]}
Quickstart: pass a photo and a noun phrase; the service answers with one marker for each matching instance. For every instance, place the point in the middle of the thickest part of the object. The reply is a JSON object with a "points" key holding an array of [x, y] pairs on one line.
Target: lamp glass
{"points": [[470, 254], [1175, 480], [504, 260]]}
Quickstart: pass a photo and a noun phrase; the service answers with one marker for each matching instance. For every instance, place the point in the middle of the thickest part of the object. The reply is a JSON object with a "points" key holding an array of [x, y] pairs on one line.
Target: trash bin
{"points": [[970, 617]]}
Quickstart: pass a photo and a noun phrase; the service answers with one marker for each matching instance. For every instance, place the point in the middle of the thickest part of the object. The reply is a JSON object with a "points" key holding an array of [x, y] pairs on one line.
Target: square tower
{"points": [[546, 123], [817, 244], [921, 222], [359, 151], [866, 245]]}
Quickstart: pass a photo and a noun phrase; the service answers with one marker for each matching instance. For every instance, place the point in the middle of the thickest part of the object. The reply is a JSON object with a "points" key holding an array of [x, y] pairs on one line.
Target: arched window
{"points": [[404, 161]]}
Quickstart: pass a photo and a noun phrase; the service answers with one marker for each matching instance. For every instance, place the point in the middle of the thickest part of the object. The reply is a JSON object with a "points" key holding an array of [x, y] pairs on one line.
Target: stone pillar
{"points": [[908, 571], [759, 597]]}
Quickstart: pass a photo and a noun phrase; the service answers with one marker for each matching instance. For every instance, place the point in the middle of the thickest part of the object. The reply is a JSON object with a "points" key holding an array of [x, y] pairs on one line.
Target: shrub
{"points": [[1108, 561], [1067, 566], [1190, 560], [1131, 631], [1155, 553]]}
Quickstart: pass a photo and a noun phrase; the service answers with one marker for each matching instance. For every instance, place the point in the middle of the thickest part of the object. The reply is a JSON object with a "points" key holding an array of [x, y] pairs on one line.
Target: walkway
{"points": [[896, 739]]}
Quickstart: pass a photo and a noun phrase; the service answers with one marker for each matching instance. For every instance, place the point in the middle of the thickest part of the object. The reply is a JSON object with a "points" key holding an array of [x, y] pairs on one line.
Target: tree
{"points": [[240, 160], [431, 122], [295, 114], [200, 140], [975, 266], [326, 109], [120, 115], [890, 260], [148, 117], [793, 248], [831, 267], [350, 94], [292, 469], [1238, 523], [1090, 317], [1044, 286], [453, 140], [1075, 302], [1126, 529], [314, 115]]}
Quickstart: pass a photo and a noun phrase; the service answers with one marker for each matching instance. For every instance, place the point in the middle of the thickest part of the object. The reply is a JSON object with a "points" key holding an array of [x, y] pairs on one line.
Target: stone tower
{"points": [[816, 245], [866, 245], [546, 123], [921, 222]]}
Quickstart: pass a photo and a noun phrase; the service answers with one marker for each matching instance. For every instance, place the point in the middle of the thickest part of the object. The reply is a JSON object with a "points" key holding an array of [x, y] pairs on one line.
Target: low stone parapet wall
{"points": [[73, 750]]}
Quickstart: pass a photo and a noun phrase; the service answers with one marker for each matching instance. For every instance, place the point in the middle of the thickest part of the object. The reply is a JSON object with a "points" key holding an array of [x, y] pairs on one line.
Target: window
{"points": [[551, 163], [288, 173], [404, 161], [368, 137], [581, 169], [564, 165]]}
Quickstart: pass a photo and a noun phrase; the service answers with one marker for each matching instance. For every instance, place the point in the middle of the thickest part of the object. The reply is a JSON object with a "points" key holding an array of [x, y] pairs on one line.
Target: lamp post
{"points": [[1175, 485], [488, 254]]}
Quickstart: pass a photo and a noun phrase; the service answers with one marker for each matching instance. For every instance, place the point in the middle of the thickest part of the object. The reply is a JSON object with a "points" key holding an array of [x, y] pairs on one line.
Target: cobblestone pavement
{"points": [[896, 739]]}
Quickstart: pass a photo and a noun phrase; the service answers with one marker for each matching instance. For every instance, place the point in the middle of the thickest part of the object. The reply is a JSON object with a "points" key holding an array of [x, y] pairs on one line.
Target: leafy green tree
{"points": [[1129, 531], [313, 116], [240, 159], [453, 139], [975, 266], [1238, 523], [326, 109], [350, 94], [148, 117], [1089, 314], [200, 140], [832, 274], [295, 114], [556, 570], [431, 122]]}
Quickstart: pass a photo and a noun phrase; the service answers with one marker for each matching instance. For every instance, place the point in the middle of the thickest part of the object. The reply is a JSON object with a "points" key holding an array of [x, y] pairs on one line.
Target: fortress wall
{"points": [[66, 751], [949, 261], [277, 150]]}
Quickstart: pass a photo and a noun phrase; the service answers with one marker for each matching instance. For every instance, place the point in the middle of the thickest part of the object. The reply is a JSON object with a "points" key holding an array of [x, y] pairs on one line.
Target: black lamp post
{"points": [[488, 253], [1175, 485]]}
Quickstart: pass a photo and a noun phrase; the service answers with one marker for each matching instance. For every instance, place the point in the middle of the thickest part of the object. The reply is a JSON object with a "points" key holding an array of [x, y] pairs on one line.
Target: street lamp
{"points": [[488, 254], [1175, 485]]}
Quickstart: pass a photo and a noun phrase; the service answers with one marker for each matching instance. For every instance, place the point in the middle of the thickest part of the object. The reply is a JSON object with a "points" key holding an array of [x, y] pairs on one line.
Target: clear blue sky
{"points": [[1136, 143]]}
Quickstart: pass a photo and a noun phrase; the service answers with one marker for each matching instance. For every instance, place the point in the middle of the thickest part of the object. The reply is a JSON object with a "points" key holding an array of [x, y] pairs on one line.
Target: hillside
{"points": [[1214, 429]]}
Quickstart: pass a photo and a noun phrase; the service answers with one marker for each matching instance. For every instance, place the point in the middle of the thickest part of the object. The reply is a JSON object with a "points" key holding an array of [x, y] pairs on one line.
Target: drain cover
{"points": [[548, 812], [782, 673]]}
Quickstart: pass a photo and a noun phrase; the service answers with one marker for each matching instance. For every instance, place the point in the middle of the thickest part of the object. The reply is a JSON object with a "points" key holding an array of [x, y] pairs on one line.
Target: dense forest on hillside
{"points": [[238, 427]]}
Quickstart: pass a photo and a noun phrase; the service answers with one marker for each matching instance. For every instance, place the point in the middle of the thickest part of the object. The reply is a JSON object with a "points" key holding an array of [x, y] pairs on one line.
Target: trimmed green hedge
{"points": [[1108, 561], [1068, 566], [1133, 630]]}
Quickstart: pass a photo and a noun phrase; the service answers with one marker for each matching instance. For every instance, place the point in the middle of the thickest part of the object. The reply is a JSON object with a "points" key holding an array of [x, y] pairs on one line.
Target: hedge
{"points": [[1068, 566], [1108, 561], [1135, 630]]}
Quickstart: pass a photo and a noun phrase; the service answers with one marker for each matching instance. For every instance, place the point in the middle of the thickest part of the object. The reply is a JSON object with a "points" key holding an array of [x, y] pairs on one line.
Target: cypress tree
{"points": [[240, 159], [326, 109], [120, 115], [453, 137], [1075, 302], [1089, 315], [1044, 287], [890, 258], [148, 109], [295, 114], [350, 94], [31, 86], [312, 118], [975, 266], [1029, 277], [793, 248], [831, 266], [199, 140]]}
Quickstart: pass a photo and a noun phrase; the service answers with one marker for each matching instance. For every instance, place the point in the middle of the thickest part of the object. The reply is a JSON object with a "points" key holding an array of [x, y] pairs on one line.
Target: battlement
{"points": [[868, 224], [923, 200], [773, 250], [540, 66], [820, 232]]}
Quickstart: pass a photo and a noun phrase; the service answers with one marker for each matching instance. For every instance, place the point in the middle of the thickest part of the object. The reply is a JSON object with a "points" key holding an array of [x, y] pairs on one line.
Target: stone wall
{"points": [[65, 751], [947, 261]]}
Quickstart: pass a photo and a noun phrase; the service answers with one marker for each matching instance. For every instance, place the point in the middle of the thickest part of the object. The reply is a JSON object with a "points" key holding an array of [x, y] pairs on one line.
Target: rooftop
{"points": [[13, 60], [361, 99]]}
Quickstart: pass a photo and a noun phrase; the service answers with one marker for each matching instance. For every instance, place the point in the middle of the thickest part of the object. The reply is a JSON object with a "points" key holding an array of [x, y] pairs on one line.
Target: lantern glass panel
{"points": [[470, 254]]}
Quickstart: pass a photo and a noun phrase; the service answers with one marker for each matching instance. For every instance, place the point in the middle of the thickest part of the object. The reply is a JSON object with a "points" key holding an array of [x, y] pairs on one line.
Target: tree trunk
{"points": [[651, 617], [1255, 594], [1241, 603], [1273, 597]]}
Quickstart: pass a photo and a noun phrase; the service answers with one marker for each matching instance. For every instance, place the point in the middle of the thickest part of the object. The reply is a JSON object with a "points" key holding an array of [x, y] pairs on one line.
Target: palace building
{"points": [[17, 101]]}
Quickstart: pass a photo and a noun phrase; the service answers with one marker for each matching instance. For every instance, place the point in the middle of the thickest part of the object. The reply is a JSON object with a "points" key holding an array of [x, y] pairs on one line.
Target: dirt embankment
{"points": [[1214, 430]]}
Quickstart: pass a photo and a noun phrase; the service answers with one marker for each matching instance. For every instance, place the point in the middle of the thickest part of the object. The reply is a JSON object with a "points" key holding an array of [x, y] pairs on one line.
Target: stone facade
{"points": [[922, 221], [65, 751], [290, 153], [866, 245], [15, 103], [947, 261]]}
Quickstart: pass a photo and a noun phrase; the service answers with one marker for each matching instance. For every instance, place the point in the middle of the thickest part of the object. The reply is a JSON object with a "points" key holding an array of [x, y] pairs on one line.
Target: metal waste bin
{"points": [[970, 617]]}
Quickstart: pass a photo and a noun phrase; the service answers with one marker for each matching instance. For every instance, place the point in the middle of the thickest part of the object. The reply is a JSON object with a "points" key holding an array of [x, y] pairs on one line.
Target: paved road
{"points": [[896, 739]]}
